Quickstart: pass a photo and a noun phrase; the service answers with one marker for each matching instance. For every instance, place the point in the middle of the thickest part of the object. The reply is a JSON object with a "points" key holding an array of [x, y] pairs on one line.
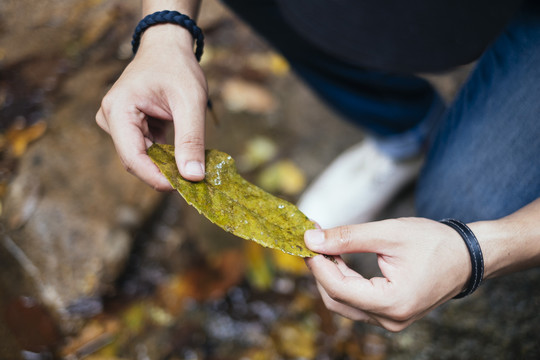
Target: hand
{"points": [[163, 85], [423, 263]]}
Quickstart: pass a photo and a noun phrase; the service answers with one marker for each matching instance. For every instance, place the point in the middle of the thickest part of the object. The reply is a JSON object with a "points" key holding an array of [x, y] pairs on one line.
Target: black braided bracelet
{"points": [[173, 17], [475, 252]]}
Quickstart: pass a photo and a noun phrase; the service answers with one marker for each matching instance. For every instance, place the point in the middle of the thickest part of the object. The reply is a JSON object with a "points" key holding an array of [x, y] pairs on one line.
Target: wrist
{"points": [[490, 236], [475, 255], [169, 17], [510, 244], [167, 35]]}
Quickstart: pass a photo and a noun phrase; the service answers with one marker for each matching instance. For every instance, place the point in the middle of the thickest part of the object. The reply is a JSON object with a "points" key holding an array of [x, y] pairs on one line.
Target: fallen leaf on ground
{"points": [[259, 268], [205, 281], [240, 95], [259, 151], [269, 62], [92, 335], [18, 137], [236, 205], [295, 340], [289, 264], [283, 177]]}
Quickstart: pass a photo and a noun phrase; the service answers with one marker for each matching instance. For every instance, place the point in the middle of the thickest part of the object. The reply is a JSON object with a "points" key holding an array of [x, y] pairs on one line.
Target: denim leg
{"points": [[382, 103], [484, 162]]}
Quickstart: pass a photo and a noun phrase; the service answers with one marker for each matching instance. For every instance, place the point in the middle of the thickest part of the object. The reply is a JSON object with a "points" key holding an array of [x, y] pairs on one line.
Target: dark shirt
{"points": [[401, 35]]}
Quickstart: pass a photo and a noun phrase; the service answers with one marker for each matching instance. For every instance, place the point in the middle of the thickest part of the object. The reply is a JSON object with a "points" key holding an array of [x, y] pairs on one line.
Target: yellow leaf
{"points": [[290, 264], [295, 340], [279, 65], [259, 151], [18, 138], [260, 274], [283, 177]]}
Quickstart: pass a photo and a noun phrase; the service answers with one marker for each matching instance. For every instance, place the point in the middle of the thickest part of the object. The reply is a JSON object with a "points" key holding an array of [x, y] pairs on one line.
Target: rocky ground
{"points": [[95, 264]]}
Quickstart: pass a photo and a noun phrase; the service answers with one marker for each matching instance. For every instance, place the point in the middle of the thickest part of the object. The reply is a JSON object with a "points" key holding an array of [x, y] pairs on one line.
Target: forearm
{"points": [[187, 7], [512, 243]]}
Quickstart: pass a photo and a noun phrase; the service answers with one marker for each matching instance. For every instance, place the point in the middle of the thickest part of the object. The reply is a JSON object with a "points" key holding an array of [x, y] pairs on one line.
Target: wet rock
{"points": [[70, 209], [70, 212], [48, 27]]}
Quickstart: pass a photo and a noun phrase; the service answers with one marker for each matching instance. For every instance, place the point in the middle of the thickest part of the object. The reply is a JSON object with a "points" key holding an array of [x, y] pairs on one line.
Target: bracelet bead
{"points": [[173, 17]]}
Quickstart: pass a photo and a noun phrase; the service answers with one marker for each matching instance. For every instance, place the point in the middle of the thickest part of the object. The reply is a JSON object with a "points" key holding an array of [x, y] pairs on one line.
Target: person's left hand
{"points": [[424, 264]]}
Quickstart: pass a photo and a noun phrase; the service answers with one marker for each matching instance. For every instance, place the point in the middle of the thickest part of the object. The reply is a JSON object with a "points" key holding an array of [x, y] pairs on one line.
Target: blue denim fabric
{"points": [[383, 104], [484, 162], [484, 159]]}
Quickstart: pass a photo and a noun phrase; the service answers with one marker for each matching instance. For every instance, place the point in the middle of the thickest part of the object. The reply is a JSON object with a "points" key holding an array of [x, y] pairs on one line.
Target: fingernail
{"points": [[314, 237], [194, 168], [148, 142]]}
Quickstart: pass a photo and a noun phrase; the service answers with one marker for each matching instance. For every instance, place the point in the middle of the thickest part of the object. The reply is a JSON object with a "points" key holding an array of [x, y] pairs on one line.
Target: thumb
{"points": [[346, 239]]}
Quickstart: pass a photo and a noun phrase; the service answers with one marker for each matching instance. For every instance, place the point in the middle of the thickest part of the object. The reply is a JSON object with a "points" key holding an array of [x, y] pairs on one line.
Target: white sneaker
{"points": [[357, 186]]}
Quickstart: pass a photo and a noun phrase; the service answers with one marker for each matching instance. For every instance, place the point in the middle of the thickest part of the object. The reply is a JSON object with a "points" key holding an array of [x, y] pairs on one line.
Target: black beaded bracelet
{"points": [[475, 252], [173, 17]]}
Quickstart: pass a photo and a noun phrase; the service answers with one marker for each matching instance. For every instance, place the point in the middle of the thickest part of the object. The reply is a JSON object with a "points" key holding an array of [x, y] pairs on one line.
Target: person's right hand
{"points": [[163, 85]]}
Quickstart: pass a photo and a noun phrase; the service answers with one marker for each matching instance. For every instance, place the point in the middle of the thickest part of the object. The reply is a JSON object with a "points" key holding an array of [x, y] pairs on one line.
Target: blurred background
{"points": [[96, 265]]}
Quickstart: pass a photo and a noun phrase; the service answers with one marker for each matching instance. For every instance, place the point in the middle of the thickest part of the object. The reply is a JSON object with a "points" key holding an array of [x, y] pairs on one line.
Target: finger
{"points": [[131, 146], [342, 309], [375, 298], [346, 286], [342, 266], [189, 139], [356, 314], [368, 237]]}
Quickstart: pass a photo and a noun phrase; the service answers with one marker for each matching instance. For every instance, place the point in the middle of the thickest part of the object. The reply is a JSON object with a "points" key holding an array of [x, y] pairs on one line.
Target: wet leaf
{"points": [[236, 205]]}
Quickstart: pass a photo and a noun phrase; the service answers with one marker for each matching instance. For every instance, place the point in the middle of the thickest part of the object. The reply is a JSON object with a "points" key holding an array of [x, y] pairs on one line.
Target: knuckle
{"points": [[100, 121], [394, 326], [329, 303], [191, 141], [106, 103], [202, 92], [344, 237], [334, 294], [401, 313], [332, 306], [128, 165]]}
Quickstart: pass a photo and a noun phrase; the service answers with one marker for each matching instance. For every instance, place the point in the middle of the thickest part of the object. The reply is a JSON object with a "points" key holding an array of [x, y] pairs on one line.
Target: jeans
{"points": [[482, 154], [484, 161]]}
